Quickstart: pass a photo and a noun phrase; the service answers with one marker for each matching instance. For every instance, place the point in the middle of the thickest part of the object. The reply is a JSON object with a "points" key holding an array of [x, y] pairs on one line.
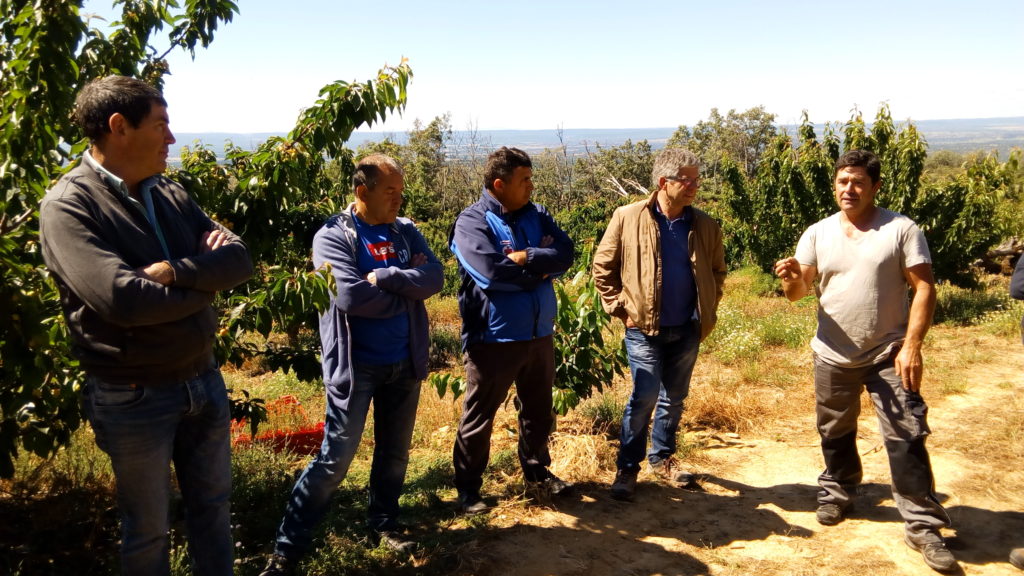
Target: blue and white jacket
{"points": [[501, 301], [398, 291]]}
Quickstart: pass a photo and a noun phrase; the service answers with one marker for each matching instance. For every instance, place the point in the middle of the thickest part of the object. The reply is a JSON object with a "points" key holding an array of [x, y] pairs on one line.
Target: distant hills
{"points": [[964, 135]]}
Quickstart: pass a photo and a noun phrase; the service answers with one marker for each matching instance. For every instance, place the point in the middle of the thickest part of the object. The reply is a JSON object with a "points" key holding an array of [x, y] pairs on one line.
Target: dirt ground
{"points": [[754, 512]]}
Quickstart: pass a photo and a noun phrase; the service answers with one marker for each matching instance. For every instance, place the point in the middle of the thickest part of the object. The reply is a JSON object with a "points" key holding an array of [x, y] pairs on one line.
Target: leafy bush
{"points": [[274, 196], [583, 361]]}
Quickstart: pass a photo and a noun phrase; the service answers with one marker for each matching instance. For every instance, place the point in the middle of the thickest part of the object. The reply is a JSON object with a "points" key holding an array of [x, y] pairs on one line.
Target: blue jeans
{"points": [[143, 429], [395, 393], [661, 367]]}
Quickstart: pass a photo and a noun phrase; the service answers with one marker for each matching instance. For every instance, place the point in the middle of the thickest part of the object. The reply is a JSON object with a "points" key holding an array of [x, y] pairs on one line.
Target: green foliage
{"points": [[967, 307], [274, 197], [445, 346], [249, 409], [961, 215], [48, 52], [741, 337], [605, 411], [622, 170], [583, 362], [786, 195], [443, 382], [742, 137]]}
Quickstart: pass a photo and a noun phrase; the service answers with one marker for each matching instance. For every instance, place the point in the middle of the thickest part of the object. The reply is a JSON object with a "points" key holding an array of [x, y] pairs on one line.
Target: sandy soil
{"points": [[754, 513]]}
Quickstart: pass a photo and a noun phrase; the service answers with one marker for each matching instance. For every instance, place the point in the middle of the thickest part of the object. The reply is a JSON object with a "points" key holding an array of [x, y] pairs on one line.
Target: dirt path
{"points": [[755, 514]]}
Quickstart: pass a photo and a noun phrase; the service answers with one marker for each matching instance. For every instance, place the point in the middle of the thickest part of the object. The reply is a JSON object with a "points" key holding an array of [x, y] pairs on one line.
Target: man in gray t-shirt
{"points": [[870, 336]]}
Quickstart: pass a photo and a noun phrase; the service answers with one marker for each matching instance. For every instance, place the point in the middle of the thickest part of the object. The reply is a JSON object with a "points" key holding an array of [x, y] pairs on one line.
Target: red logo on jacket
{"points": [[382, 251]]}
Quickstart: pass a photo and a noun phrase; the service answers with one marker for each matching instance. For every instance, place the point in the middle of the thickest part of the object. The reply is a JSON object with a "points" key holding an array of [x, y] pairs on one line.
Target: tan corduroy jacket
{"points": [[627, 266]]}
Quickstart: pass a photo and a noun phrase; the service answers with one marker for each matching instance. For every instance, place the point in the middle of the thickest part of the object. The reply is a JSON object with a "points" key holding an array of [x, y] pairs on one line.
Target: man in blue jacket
{"points": [[375, 341], [509, 250]]}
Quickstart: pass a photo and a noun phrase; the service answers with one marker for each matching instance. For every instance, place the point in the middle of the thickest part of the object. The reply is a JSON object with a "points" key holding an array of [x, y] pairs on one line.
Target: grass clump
{"points": [[962, 307]]}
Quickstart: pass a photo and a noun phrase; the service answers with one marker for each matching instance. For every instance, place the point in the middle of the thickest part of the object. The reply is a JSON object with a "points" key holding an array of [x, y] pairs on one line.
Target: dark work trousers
{"points": [[904, 427], [491, 369]]}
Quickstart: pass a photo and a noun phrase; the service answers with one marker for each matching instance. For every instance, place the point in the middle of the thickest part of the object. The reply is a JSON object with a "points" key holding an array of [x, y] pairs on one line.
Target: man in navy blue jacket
{"points": [[509, 250]]}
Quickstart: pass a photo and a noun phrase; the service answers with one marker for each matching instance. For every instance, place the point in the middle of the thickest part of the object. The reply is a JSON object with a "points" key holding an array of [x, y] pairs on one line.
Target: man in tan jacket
{"points": [[660, 268]]}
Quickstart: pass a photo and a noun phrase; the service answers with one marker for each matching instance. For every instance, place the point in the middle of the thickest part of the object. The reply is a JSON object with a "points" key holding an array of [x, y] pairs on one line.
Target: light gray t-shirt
{"points": [[863, 303]]}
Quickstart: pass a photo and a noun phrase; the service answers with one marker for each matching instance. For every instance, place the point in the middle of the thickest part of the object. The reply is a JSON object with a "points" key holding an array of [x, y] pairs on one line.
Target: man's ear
{"points": [[360, 192], [117, 123], [498, 185]]}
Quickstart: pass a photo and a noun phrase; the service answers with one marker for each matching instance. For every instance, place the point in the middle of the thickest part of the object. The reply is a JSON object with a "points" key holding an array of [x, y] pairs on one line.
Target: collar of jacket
{"points": [[348, 216], [490, 203], [653, 209]]}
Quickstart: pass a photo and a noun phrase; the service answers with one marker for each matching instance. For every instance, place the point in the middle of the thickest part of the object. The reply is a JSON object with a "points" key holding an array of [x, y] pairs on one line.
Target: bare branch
{"points": [[14, 224]]}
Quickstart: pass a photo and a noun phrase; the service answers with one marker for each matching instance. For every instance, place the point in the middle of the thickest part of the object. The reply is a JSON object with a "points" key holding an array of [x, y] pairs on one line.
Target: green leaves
{"points": [[793, 188], [48, 51], [442, 382], [343, 107], [583, 361]]}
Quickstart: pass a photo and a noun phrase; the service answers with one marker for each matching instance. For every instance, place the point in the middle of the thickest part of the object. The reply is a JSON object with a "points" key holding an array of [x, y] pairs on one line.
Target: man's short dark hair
{"points": [[369, 169], [502, 163], [102, 98], [865, 159]]}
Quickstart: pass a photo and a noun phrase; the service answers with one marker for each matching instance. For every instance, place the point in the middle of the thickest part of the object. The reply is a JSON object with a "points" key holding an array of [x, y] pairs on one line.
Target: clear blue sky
{"points": [[601, 64]]}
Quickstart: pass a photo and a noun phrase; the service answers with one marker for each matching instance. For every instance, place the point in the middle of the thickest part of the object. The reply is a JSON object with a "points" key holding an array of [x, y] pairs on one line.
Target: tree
{"points": [[743, 137], [48, 51], [272, 196], [792, 188]]}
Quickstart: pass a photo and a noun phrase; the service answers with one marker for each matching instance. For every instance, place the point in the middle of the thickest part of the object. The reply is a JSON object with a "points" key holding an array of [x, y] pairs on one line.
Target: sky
{"points": [[602, 64]]}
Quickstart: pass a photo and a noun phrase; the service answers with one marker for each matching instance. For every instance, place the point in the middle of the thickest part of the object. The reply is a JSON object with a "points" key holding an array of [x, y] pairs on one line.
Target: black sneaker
{"points": [[624, 486], [935, 554], [395, 541], [829, 514], [278, 565], [551, 486], [472, 503], [1017, 557]]}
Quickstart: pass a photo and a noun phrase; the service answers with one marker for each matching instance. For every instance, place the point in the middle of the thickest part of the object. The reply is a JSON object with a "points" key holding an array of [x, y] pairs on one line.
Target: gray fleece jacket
{"points": [[126, 328]]}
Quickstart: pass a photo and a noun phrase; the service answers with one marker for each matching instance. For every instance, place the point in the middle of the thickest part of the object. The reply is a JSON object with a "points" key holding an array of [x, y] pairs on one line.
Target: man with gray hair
{"points": [[375, 339], [660, 268]]}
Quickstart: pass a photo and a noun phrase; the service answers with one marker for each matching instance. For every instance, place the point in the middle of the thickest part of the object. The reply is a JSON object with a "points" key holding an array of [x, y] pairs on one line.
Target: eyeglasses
{"points": [[684, 182]]}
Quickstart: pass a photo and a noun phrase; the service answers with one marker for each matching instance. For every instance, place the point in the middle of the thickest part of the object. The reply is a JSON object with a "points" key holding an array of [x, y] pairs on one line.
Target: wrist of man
{"points": [[169, 274]]}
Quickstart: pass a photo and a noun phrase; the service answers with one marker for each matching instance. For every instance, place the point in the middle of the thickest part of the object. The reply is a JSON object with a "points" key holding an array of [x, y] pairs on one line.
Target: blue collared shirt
{"points": [[678, 287]]}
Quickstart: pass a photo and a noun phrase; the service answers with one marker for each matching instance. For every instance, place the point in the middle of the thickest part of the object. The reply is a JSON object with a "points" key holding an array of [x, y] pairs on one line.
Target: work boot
{"points": [[1017, 557], [935, 554], [395, 541], [829, 514], [624, 486], [472, 503], [552, 485], [669, 471]]}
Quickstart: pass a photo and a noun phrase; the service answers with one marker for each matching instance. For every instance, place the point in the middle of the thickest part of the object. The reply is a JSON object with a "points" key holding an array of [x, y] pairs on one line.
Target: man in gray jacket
{"points": [[138, 265]]}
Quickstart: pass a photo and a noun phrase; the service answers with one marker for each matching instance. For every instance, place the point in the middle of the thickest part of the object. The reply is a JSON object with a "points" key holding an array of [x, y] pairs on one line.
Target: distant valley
{"points": [[965, 135]]}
